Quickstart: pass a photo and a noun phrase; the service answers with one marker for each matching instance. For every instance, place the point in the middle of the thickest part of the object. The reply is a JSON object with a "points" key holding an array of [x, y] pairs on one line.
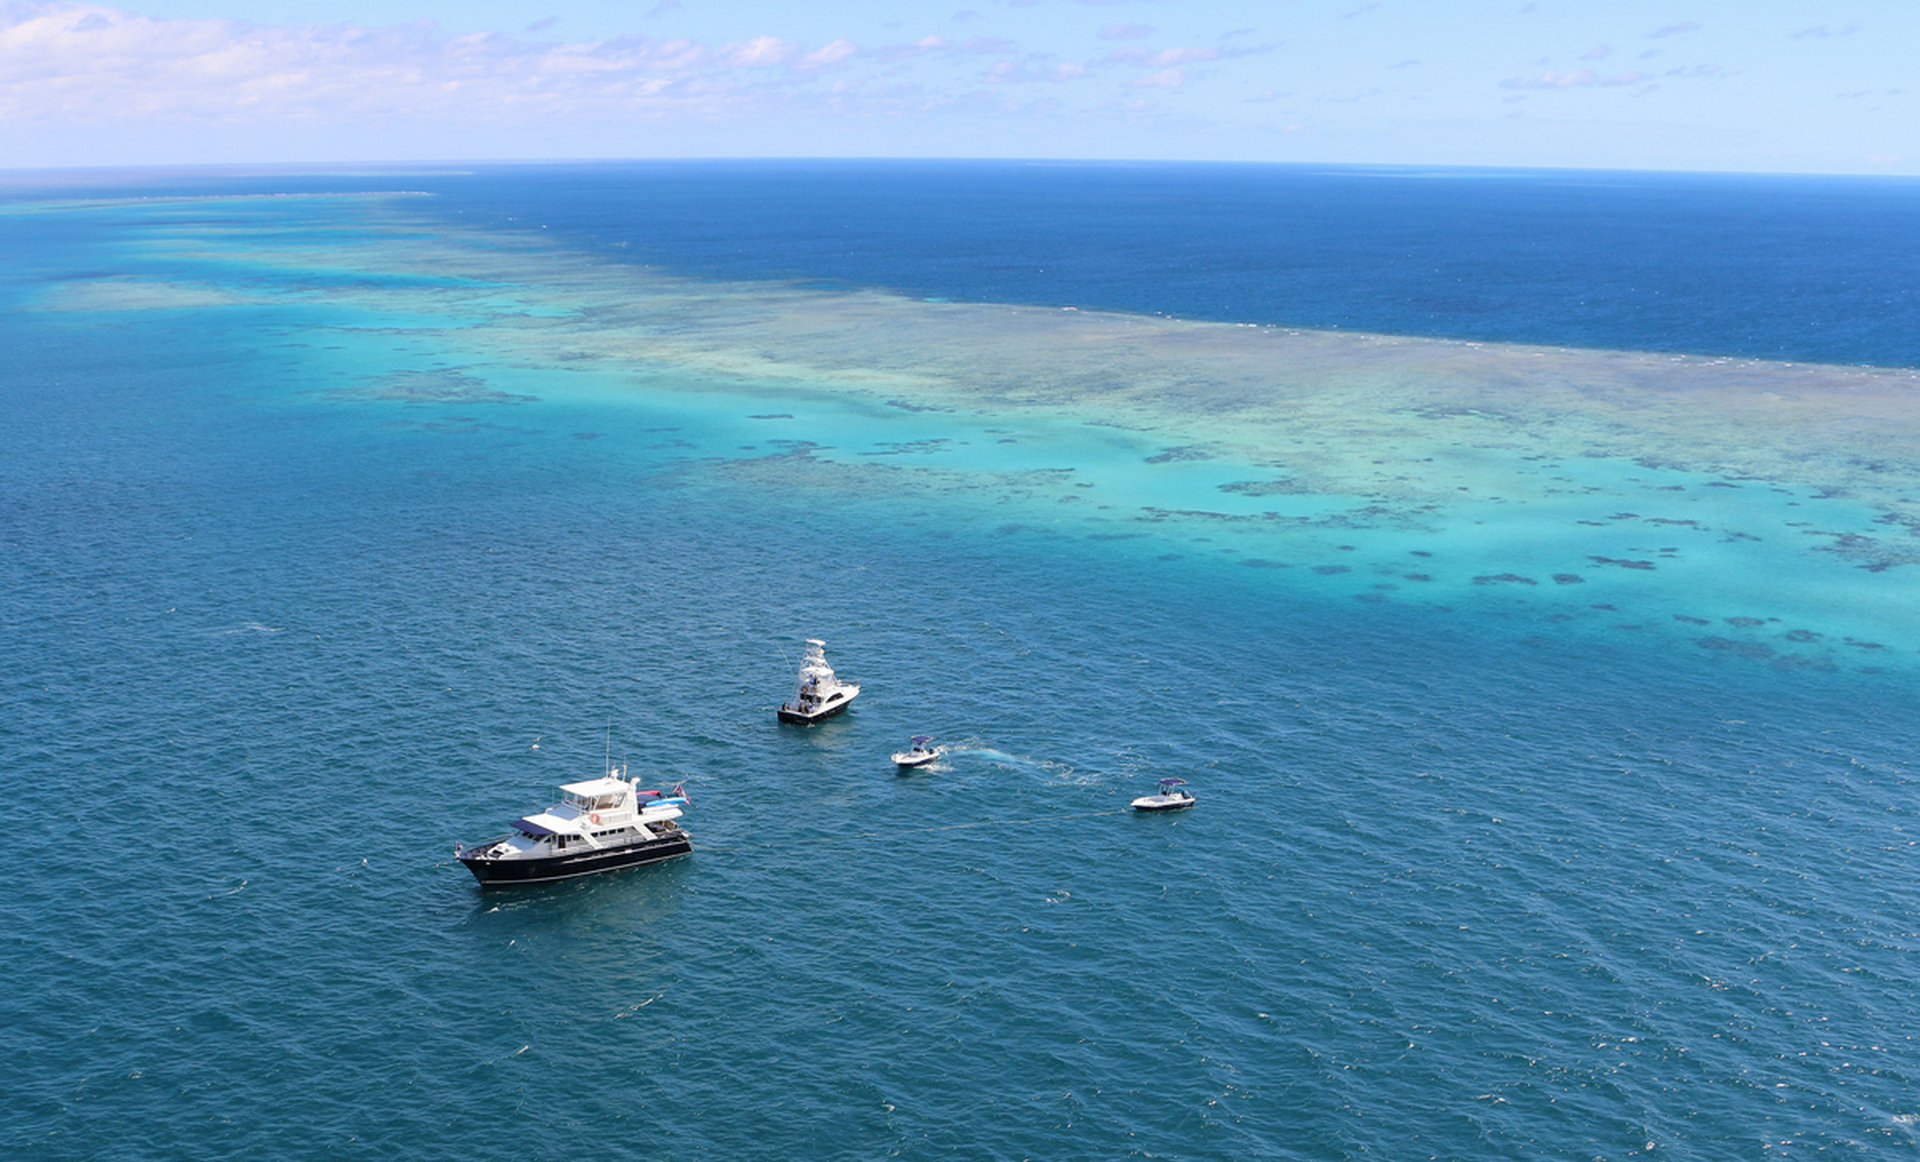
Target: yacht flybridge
{"points": [[603, 824], [820, 695]]}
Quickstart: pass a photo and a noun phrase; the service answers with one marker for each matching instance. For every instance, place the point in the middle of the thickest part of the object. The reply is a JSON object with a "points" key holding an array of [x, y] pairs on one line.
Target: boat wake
{"points": [[1053, 770]]}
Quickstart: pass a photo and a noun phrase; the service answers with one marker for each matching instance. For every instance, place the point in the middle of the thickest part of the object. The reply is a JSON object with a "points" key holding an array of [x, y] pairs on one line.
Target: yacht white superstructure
{"points": [[819, 694]]}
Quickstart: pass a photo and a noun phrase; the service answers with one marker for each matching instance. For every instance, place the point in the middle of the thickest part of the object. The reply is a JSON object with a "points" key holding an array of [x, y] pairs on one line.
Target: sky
{"points": [[1740, 85]]}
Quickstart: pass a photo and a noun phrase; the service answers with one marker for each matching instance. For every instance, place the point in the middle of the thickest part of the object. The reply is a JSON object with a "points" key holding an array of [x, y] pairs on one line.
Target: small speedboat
{"points": [[1172, 796], [602, 825], [919, 754], [820, 695]]}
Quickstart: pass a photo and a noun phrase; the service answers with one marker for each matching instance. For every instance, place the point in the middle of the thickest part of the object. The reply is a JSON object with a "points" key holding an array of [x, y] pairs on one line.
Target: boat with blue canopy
{"points": [[1172, 796], [919, 754]]}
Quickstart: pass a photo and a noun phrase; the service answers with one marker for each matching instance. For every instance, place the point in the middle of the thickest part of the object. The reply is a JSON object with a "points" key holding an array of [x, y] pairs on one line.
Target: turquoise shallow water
{"points": [[304, 585]]}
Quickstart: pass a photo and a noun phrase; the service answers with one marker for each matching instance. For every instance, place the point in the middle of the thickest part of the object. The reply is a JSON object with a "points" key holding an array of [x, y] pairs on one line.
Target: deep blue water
{"points": [[1769, 266], [1454, 890], [1801, 268]]}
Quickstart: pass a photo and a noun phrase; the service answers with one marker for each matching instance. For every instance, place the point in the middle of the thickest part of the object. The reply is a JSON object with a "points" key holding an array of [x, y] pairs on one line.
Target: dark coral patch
{"points": [[1691, 620], [1329, 570], [1186, 452], [1797, 662], [1504, 579], [1746, 622], [1624, 564], [1260, 487], [1742, 649], [1802, 635], [1568, 579]]}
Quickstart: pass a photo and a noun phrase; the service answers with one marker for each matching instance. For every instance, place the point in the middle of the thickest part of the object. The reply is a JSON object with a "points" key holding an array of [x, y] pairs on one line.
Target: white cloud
{"points": [[94, 63], [1143, 57], [761, 50], [1576, 79], [1016, 72], [96, 82], [830, 55], [1183, 56], [937, 45]]}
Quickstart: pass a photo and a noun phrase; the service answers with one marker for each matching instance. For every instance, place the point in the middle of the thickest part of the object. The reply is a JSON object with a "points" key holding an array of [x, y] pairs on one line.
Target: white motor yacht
{"points": [[603, 824], [819, 695]]}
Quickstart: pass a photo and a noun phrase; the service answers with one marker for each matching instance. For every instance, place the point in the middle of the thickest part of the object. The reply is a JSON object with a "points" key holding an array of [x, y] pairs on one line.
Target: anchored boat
{"points": [[602, 825], [820, 695]]}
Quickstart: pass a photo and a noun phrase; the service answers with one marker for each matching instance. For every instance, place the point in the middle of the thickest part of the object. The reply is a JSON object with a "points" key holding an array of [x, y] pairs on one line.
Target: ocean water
{"points": [[1546, 673]]}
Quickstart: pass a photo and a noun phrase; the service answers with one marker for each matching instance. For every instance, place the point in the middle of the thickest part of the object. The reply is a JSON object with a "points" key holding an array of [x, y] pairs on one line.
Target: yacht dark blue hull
{"points": [[493, 873]]}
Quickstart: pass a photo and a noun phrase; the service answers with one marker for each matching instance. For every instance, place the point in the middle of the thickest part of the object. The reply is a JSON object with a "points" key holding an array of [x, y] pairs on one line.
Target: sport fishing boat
{"points": [[1172, 796], [820, 695], [919, 754], [602, 825]]}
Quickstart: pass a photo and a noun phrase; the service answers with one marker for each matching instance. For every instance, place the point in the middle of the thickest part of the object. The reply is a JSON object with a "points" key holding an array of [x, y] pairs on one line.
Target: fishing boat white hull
{"points": [[832, 704], [818, 695]]}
